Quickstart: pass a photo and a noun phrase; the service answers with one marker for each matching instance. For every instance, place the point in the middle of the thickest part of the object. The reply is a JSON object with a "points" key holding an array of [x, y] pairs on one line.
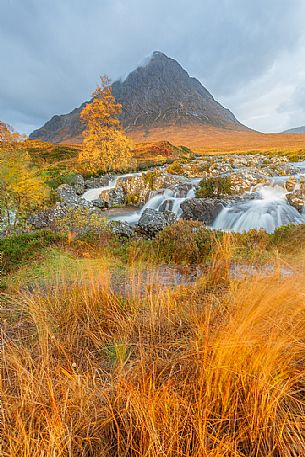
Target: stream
{"points": [[268, 208]]}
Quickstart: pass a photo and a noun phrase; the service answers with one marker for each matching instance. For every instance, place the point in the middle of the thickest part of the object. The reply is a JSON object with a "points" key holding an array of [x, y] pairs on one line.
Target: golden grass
{"points": [[211, 140], [213, 369], [214, 141]]}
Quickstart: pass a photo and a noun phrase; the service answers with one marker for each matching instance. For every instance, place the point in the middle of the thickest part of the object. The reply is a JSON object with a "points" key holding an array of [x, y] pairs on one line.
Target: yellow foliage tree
{"points": [[21, 188], [106, 147]]}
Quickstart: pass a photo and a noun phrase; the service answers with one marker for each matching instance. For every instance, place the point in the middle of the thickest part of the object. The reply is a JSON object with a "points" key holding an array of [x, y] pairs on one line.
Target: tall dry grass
{"points": [[213, 369]]}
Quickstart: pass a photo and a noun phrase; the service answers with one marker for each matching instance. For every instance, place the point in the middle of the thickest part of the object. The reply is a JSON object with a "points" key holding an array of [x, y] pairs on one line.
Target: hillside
{"points": [[157, 95], [296, 130]]}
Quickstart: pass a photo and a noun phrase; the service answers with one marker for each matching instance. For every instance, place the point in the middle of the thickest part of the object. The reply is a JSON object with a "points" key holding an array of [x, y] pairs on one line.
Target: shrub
{"points": [[184, 242], [288, 238], [79, 221], [214, 187], [175, 168], [149, 178]]}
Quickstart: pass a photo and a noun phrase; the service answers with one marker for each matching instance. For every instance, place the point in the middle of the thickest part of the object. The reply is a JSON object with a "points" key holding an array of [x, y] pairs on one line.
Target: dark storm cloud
{"points": [[53, 51]]}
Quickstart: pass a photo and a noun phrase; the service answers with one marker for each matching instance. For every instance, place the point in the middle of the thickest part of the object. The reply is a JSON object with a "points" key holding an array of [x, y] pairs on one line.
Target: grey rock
{"points": [[153, 221], [202, 209], [67, 195], [113, 197], [102, 204], [122, 229], [100, 181], [79, 184]]}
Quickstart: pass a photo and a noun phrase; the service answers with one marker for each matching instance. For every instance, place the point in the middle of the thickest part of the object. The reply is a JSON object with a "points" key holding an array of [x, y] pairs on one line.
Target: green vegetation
{"points": [[214, 187], [149, 178], [175, 168], [18, 250]]}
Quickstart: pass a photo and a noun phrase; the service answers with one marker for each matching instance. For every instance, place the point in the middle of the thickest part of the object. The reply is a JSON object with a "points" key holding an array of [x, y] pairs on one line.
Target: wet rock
{"points": [[296, 199], [99, 203], [67, 195], [202, 209], [290, 184], [153, 221], [113, 197], [137, 189]]}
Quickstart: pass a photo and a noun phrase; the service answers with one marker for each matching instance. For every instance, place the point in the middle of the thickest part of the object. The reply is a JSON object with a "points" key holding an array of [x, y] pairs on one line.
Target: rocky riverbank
{"points": [[147, 202]]}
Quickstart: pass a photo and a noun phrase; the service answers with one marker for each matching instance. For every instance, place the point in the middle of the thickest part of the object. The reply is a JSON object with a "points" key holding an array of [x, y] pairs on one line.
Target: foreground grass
{"points": [[212, 369]]}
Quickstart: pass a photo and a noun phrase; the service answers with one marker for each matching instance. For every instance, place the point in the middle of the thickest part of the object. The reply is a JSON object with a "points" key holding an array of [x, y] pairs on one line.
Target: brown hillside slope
{"points": [[212, 140]]}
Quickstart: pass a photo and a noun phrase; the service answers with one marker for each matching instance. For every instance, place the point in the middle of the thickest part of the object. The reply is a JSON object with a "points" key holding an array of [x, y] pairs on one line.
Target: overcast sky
{"points": [[250, 54]]}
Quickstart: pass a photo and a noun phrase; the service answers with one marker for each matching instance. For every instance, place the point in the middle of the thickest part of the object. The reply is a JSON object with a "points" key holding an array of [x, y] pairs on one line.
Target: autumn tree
{"points": [[105, 147], [21, 188]]}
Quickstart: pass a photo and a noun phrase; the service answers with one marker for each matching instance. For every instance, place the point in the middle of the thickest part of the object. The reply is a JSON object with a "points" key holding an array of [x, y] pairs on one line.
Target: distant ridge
{"points": [[296, 130], [156, 95]]}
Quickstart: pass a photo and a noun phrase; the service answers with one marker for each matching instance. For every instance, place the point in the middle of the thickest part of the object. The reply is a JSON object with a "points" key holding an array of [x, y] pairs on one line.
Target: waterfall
{"points": [[93, 194], [269, 212], [165, 199]]}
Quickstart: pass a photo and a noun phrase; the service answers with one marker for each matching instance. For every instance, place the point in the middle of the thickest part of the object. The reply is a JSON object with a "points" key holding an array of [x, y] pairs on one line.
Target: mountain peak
{"points": [[158, 94]]}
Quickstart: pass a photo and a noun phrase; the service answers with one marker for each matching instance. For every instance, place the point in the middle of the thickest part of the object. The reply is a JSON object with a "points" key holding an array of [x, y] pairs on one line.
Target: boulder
{"points": [[100, 181], [100, 204], [296, 199], [153, 221], [47, 218], [202, 209], [290, 184], [113, 197], [67, 195], [79, 184], [122, 229], [138, 188]]}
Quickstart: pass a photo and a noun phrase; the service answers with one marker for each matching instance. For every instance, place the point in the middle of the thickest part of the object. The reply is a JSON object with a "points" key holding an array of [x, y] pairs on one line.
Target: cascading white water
{"points": [[166, 199], [93, 194], [269, 212]]}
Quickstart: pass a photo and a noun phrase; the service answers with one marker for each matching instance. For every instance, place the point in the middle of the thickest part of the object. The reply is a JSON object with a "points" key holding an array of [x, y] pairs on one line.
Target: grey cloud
{"points": [[53, 50]]}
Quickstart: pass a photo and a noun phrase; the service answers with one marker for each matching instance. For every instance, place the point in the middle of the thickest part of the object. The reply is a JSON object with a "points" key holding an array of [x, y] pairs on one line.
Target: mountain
{"points": [[156, 95], [297, 130]]}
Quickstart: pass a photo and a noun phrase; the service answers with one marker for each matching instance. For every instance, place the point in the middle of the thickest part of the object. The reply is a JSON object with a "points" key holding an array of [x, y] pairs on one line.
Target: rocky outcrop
{"points": [[202, 209], [290, 184], [67, 195], [79, 184], [296, 199], [113, 197], [48, 218], [122, 229], [94, 183], [153, 221]]}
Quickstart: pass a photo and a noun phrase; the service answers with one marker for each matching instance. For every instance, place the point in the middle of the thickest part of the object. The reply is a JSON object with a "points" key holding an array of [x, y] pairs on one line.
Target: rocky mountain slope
{"points": [[156, 95], [296, 130]]}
